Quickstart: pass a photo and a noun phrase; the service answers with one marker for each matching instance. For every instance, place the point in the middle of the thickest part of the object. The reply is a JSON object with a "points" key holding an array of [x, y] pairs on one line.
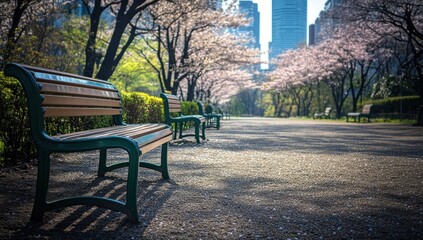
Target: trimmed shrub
{"points": [[14, 128], [189, 108], [142, 108], [410, 104]]}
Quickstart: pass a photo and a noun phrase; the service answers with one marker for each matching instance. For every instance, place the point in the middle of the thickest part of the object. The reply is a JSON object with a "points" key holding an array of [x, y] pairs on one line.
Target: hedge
{"points": [[410, 104], [16, 145]]}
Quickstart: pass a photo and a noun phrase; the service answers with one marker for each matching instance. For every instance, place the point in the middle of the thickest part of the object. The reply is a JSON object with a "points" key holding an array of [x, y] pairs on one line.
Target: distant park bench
{"points": [[365, 113], [212, 119], [173, 115], [56, 94], [224, 115], [325, 114]]}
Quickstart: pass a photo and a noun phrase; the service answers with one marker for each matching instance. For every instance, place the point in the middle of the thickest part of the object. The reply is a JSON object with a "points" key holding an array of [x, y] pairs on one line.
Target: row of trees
{"points": [[367, 42], [189, 48]]}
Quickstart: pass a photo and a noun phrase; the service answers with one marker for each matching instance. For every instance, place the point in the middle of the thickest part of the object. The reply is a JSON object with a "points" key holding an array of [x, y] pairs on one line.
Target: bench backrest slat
{"points": [[174, 107], [73, 112], [366, 109], [55, 100], [69, 95], [77, 91], [172, 103], [52, 93]]}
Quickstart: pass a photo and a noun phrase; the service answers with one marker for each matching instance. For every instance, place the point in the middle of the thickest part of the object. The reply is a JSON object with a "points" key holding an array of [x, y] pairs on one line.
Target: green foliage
{"points": [[135, 74], [189, 108], [14, 129], [393, 104], [393, 86], [74, 33], [141, 108]]}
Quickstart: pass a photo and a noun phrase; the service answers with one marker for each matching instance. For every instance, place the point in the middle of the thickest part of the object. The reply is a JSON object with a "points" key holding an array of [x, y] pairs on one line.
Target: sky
{"points": [[265, 9]]}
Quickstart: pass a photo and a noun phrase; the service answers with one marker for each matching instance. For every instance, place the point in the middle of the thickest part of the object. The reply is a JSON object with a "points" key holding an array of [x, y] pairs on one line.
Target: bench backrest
{"points": [[200, 107], [367, 108], [327, 111], [172, 104], [56, 94]]}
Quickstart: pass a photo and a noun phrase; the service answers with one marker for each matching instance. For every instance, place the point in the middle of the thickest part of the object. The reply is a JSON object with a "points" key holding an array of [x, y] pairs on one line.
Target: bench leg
{"points": [[175, 131], [102, 168], [43, 176], [197, 131], [203, 131], [163, 163], [181, 129], [132, 187]]}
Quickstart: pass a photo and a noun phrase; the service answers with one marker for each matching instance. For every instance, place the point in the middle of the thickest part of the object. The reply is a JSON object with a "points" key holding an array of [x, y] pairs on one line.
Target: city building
{"points": [[289, 25], [251, 12], [311, 34]]}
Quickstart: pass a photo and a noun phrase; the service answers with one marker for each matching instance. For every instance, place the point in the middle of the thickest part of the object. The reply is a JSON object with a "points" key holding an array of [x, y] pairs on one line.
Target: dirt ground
{"points": [[256, 178]]}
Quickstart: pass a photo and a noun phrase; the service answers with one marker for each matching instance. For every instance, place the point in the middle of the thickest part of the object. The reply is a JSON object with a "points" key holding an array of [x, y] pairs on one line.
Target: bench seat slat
{"points": [[74, 112], [77, 91], [148, 136], [132, 131], [88, 132], [151, 141], [107, 131], [153, 145], [51, 100]]}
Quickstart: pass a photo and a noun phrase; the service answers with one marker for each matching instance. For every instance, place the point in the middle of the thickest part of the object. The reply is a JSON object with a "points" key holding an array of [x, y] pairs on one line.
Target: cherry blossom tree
{"points": [[191, 40], [18, 22], [404, 19]]}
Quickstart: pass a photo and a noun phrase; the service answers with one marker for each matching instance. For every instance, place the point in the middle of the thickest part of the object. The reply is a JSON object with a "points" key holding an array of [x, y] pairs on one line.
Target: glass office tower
{"points": [[289, 25], [250, 9]]}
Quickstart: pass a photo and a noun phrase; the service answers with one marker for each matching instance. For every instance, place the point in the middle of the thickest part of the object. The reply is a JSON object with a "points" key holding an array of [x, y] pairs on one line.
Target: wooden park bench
{"points": [[212, 119], [51, 93], [325, 114], [173, 116], [365, 113]]}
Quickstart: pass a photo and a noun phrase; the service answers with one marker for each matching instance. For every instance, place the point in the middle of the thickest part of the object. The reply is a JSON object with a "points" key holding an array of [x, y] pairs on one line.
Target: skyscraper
{"points": [[250, 9], [289, 25]]}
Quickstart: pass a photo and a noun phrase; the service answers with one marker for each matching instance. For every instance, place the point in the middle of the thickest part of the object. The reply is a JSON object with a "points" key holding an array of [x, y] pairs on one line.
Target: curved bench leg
{"points": [[132, 187], [163, 163], [197, 131], [43, 176], [203, 131]]}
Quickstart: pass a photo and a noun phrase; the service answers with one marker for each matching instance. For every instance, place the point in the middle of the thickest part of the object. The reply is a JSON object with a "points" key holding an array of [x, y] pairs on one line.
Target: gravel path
{"points": [[256, 178]]}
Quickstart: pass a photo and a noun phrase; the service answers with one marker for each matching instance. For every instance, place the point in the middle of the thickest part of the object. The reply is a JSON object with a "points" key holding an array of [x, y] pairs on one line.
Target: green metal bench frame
{"points": [[51, 93], [172, 105], [212, 119], [365, 112]]}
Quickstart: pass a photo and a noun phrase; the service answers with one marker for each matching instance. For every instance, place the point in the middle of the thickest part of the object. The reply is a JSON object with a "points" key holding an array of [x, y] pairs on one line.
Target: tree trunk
{"points": [[90, 50], [12, 39]]}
